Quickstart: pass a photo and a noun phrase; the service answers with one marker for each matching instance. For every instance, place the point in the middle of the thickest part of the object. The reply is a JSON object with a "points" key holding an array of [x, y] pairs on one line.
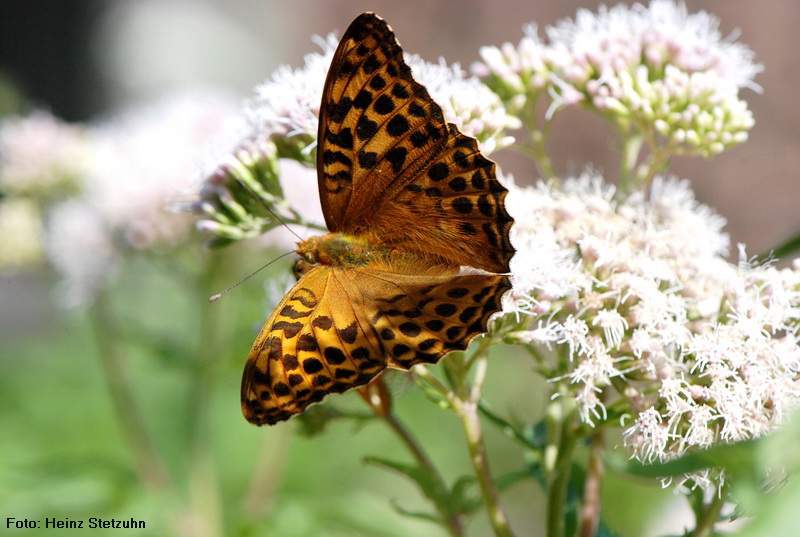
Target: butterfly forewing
{"points": [[386, 157], [454, 210], [378, 127]]}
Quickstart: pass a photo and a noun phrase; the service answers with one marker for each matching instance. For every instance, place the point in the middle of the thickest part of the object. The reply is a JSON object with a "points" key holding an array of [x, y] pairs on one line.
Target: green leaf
{"points": [[465, 495], [737, 459], [532, 438], [512, 478], [785, 249], [430, 517], [431, 487]]}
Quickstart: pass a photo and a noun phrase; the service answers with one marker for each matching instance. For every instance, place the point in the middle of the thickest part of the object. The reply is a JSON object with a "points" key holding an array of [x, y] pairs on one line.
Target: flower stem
{"points": [[377, 398], [706, 523], [266, 475], [468, 412], [204, 487], [558, 482], [464, 400], [150, 466], [632, 145], [539, 151], [412, 445], [466, 406], [538, 138], [590, 508]]}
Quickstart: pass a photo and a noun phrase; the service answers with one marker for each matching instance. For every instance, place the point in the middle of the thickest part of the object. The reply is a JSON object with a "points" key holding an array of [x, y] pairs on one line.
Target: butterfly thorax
{"points": [[340, 250]]}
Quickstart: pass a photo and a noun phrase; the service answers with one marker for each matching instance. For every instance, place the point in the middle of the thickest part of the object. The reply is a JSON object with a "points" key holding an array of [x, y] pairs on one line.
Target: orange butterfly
{"points": [[408, 200]]}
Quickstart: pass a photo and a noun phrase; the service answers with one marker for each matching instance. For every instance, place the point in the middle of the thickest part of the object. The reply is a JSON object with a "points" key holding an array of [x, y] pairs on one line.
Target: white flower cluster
{"points": [[468, 103], [42, 159], [40, 155], [287, 105], [654, 323], [653, 66], [83, 195]]}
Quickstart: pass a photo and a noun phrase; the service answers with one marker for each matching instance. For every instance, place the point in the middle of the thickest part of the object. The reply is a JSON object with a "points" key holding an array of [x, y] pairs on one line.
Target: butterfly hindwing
{"points": [[310, 346], [338, 329], [422, 314]]}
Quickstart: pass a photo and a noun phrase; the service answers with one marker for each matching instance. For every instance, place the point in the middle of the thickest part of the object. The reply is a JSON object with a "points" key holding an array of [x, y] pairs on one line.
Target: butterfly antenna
{"points": [[237, 284], [269, 209]]}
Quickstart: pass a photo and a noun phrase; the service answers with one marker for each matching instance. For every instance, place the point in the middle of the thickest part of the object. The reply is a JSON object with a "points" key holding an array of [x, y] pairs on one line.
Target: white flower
{"points": [[648, 437], [40, 156], [615, 39], [466, 102], [613, 325], [657, 67], [515, 72], [287, 104], [639, 291], [146, 159], [141, 162]]}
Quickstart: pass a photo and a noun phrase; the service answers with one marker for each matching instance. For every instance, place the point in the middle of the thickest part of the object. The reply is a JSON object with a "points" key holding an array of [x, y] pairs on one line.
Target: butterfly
{"points": [[408, 201]]}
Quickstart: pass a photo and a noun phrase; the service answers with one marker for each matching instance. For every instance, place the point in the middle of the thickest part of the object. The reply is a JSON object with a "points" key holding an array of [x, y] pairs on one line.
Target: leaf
{"points": [[737, 459], [465, 495], [431, 486], [785, 249], [533, 438], [430, 517]]}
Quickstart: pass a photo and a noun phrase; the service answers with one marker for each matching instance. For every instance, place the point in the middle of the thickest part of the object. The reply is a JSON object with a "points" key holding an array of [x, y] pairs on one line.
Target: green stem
{"points": [[538, 138], [632, 145], [468, 412], [590, 507], [149, 464], [539, 150], [464, 399], [452, 520], [466, 405], [412, 445], [706, 523], [433, 382], [558, 482], [265, 478], [655, 163]]}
